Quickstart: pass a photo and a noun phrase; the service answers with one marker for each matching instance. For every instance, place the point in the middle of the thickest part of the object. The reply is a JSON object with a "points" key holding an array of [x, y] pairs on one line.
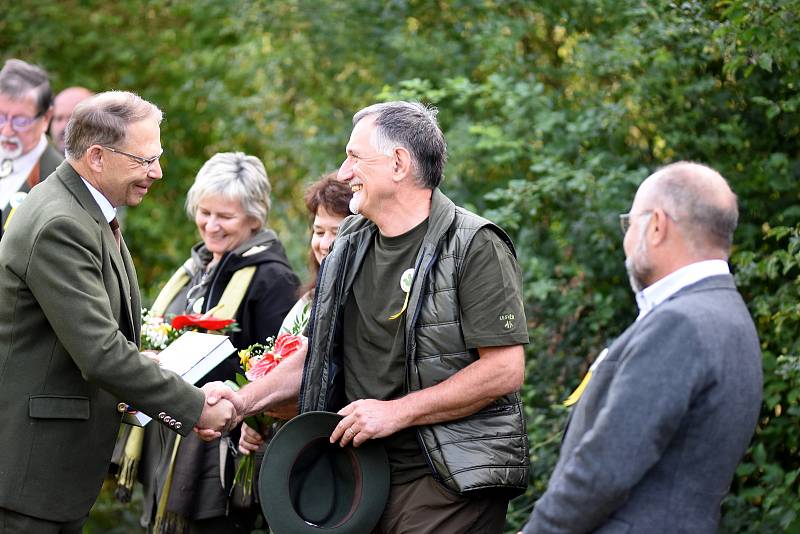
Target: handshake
{"points": [[222, 411]]}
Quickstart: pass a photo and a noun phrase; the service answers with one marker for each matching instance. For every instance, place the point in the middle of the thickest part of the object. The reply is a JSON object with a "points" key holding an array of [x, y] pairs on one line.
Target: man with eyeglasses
{"points": [[669, 408], [26, 158], [70, 324]]}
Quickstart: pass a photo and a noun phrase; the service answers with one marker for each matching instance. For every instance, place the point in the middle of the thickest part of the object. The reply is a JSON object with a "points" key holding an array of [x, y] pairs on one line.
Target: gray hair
{"points": [[414, 127], [104, 120], [701, 201], [237, 176], [18, 78]]}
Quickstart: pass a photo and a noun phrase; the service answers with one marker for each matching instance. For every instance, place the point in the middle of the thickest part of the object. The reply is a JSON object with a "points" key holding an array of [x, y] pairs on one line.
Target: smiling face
{"points": [[13, 143], [223, 224], [325, 228], [123, 181], [367, 172]]}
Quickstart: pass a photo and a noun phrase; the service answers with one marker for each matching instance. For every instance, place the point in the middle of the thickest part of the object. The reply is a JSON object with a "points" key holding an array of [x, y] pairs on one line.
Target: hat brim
{"points": [[356, 510]]}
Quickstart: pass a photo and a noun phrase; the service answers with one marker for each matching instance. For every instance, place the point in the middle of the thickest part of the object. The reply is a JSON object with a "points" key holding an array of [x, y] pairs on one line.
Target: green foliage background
{"points": [[554, 112]]}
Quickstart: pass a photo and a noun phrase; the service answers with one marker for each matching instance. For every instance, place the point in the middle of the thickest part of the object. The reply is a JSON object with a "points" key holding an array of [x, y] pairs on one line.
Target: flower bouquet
{"points": [[157, 333], [257, 361]]}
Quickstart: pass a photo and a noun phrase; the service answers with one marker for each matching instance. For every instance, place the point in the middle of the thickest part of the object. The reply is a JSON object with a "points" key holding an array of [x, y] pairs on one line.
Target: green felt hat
{"points": [[308, 485]]}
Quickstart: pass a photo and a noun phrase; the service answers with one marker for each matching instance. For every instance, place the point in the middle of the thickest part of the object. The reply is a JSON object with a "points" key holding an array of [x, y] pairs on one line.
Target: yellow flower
{"points": [[244, 359]]}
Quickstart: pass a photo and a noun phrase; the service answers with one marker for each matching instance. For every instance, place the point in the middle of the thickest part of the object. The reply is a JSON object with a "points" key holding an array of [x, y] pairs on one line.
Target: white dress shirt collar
{"points": [[653, 295], [22, 168], [109, 211]]}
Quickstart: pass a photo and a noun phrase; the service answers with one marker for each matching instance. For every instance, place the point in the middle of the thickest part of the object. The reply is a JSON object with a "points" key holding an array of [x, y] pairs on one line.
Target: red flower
{"points": [[286, 345], [200, 320], [260, 367]]}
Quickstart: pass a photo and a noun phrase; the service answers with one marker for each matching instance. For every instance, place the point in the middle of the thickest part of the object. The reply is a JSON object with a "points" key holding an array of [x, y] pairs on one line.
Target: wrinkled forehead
{"points": [[22, 105], [143, 137], [360, 136]]}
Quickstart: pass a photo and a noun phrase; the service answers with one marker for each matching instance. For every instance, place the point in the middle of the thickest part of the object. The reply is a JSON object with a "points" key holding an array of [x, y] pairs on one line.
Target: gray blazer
{"points": [[653, 443], [69, 328]]}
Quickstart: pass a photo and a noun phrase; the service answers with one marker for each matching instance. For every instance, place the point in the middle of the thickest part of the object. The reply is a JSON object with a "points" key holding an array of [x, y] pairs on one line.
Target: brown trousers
{"points": [[424, 506]]}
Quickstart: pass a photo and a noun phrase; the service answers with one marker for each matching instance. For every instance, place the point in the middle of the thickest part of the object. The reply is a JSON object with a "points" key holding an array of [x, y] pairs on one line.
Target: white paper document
{"points": [[192, 356]]}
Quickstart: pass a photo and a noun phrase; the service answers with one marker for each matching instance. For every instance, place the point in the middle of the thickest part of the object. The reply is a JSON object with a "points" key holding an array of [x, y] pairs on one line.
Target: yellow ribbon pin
{"points": [[575, 395], [405, 285]]}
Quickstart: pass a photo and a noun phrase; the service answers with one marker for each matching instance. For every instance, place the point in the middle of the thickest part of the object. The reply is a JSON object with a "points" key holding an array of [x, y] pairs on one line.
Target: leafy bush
{"points": [[554, 112]]}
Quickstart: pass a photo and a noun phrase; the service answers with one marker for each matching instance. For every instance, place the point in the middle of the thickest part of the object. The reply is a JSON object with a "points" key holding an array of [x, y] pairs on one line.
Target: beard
{"points": [[633, 277], [638, 267], [13, 154], [355, 204]]}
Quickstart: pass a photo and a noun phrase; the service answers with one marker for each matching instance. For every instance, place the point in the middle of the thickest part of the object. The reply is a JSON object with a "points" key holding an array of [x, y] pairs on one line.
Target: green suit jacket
{"points": [[69, 330]]}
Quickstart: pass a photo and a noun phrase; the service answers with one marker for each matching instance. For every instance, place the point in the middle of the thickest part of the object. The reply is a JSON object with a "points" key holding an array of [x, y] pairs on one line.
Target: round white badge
{"points": [[405, 280]]}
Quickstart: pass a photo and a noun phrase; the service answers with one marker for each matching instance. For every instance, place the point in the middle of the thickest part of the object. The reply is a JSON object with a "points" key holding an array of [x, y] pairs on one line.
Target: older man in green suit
{"points": [[70, 323], [26, 158]]}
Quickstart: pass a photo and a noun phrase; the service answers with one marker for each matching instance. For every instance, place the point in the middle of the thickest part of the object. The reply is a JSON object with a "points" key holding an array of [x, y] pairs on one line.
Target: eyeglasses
{"points": [[19, 123], [625, 219], [144, 162]]}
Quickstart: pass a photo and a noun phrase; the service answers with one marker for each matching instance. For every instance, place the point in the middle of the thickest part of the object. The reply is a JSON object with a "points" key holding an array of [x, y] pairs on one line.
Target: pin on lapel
{"points": [[405, 285], [575, 395]]}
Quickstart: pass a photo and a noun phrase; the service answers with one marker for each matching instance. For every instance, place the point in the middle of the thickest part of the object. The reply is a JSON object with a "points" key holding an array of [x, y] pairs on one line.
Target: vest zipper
{"points": [[409, 340]]}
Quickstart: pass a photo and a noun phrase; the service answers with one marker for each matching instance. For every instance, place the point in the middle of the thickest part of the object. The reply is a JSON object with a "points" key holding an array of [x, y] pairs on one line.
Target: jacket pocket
{"points": [[58, 407]]}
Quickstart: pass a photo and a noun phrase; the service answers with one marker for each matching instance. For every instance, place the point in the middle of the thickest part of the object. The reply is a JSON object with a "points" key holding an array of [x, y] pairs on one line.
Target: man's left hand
{"points": [[368, 419]]}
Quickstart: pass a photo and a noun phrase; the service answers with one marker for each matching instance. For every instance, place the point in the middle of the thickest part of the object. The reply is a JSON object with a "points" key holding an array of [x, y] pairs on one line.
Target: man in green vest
{"points": [[26, 158], [70, 323], [416, 335]]}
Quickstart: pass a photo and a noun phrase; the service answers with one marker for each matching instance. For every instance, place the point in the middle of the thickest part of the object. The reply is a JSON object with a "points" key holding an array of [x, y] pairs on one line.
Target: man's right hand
{"points": [[222, 411]]}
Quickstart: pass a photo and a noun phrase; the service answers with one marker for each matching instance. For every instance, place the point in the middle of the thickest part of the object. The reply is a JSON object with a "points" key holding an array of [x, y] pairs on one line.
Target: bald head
{"points": [[700, 200], [63, 105]]}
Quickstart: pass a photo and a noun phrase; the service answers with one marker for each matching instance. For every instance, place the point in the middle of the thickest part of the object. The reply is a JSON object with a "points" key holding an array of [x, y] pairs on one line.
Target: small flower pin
{"points": [[405, 285]]}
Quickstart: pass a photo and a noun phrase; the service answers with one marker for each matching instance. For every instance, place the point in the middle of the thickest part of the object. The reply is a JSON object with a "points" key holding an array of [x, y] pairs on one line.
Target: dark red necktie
{"points": [[114, 224]]}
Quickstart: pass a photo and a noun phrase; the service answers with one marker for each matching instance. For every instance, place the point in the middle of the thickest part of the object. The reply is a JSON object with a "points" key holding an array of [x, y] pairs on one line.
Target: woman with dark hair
{"points": [[327, 201]]}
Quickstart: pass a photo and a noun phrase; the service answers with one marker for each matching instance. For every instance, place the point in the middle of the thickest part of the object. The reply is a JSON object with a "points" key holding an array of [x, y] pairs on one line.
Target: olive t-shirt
{"points": [[490, 298]]}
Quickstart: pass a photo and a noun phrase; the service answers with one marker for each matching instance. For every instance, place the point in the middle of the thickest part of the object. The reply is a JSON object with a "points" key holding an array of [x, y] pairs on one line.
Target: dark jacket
{"points": [[271, 294], [196, 489], [488, 449], [48, 161]]}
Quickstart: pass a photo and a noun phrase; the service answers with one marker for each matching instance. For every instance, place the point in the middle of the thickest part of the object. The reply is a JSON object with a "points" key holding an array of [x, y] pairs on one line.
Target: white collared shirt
{"points": [[109, 211], [653, 295], [22, 168]]}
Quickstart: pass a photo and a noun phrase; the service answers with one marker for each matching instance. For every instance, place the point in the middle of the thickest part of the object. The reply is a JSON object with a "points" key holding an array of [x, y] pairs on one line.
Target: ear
{"points": [[658, 230], [402, 164], [94, 158]]}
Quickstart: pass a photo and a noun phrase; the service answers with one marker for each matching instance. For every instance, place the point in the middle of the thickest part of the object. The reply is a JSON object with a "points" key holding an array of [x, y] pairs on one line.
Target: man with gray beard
{"points": [[669, 408], [26, 106]]}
